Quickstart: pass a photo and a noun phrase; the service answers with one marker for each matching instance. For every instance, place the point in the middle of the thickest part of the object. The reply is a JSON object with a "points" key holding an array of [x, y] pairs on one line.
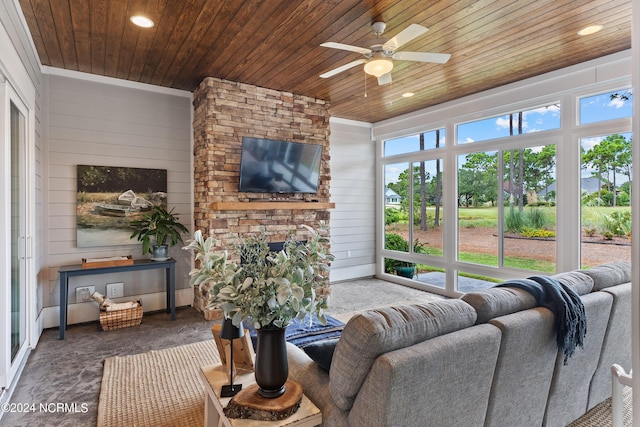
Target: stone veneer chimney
{"points": [[224, 112]]}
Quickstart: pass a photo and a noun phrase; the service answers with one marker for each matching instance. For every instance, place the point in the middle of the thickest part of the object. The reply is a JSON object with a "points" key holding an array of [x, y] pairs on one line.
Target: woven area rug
{"points": [[600, 415], [158, 388]]}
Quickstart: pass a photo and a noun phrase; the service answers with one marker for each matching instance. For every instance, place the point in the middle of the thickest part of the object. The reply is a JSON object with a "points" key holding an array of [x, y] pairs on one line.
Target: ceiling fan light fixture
{"points": [[378, 67], [142, 21]]}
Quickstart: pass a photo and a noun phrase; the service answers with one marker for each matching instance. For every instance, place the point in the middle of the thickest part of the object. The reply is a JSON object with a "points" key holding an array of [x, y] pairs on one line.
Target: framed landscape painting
{"points": [[110, 197]]}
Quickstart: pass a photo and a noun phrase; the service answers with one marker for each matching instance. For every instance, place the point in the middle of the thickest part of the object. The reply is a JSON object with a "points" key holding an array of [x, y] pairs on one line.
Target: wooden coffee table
{"points": [[308, 415]]}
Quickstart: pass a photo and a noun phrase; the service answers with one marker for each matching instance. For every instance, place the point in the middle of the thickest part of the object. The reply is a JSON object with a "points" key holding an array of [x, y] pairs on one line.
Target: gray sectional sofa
{"points": [[487, 359]]}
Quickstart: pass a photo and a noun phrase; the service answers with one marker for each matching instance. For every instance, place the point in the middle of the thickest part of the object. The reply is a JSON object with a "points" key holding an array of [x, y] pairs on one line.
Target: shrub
{"points": [[395, 242], [623, 199], [391, 216], [536, 218], [617, 223], [513, 220], [590, 231]]}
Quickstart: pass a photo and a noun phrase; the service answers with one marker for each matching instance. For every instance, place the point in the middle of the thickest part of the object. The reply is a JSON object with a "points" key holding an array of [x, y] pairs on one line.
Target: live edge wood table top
{"points": [[215, 376]]}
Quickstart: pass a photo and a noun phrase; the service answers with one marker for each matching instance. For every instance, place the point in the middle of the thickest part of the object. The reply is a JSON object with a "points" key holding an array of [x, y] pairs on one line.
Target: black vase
{"points": [[272, 366]]}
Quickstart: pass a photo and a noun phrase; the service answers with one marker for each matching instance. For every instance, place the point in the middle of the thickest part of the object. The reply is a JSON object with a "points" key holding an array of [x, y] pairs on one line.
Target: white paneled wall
{"points": [[353, 191], [98, 123]]}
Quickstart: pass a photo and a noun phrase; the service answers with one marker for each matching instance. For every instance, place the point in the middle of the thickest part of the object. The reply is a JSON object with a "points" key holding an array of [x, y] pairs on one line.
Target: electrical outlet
{"points": [[115, 290], [83, 294]]}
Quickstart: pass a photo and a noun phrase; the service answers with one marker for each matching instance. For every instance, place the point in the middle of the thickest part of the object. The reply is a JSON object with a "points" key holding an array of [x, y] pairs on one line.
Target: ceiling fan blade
{"points": [[342, 68], [384, 79], [404, 36], [439, 58], [341, 46]]}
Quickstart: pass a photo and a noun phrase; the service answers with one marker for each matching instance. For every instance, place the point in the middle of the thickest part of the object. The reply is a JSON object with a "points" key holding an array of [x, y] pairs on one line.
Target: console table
{"points": [[67, 271]]}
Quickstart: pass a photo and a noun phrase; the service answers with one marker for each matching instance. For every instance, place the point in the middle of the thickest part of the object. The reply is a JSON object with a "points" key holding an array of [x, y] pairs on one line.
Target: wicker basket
{"points": [[121, 318]]}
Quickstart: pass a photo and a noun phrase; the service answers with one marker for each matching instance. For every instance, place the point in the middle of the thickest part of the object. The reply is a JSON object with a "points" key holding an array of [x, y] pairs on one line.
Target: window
{"points": [[415, 143], [413, 226], [519, 123], [606, 106], [605, 185], [529, 211], [477, 208]]}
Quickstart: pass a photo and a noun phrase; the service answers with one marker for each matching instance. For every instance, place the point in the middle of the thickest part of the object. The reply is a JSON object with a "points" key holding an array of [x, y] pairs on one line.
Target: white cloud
{"points": [[392, 174], [502, 122], [553, 109], [616, 103], [589, 143]]}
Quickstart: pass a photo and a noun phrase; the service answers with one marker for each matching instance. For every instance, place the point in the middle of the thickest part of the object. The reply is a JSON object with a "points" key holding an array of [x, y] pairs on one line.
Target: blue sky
{"points": [[592, 109]]}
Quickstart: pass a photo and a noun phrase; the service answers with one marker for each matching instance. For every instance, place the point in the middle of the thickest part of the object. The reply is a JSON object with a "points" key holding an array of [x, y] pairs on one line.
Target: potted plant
{"points": [[269, 289], [157, 231], [396, 242]]}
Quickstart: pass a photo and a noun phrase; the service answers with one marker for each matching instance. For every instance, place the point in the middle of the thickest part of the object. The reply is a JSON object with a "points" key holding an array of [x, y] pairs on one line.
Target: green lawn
{"points": [[492, 260], [487, 217]]}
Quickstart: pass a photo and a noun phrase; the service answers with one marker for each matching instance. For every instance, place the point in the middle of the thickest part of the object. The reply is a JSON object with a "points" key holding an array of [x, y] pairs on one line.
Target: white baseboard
{"points": [[350, 273], [88, 311]]}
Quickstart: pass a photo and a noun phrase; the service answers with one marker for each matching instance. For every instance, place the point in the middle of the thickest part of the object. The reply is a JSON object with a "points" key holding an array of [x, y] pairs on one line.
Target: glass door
{"points": [[15, 253], [18, 246]]}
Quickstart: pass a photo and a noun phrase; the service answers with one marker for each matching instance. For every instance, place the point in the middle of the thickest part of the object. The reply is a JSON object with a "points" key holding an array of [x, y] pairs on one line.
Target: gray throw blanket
{"points": [[566, 305]]}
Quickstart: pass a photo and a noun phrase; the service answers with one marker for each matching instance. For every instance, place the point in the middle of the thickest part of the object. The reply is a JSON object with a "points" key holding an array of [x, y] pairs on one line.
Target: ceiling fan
{"points": [[378, 57]]}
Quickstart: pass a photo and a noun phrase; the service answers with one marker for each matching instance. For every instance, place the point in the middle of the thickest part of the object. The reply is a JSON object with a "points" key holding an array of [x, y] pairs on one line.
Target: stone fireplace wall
{"points": [[224, 112]]}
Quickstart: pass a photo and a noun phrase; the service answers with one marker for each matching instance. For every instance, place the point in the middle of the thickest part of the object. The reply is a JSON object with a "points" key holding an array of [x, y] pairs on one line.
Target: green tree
{"points": [[534, 170], [426, 190], [477, 179], [610, 155]]}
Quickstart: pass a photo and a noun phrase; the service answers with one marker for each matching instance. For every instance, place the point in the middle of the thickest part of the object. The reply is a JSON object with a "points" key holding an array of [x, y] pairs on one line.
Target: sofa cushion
{"points": [[322, 352], [369, 334], [445, 381], [494, 302], [609, 274], [578, 282]]}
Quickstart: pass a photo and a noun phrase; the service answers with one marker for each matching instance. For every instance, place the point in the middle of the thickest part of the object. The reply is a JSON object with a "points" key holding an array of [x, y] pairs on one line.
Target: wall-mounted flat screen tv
{"points": [[270, 166]]}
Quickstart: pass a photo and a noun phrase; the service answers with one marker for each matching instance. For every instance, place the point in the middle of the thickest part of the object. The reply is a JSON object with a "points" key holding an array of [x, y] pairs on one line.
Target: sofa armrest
{"points": [[313, 379]]}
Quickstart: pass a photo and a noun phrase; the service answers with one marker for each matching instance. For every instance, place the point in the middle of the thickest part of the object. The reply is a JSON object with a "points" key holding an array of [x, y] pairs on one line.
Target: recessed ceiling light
{"points": [[142, 21], [592, 29], [408, 94]]}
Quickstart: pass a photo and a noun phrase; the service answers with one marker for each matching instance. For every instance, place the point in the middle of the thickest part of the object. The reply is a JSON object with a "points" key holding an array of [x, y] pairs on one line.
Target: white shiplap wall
{"points": [[113, 124], [353, 192]]}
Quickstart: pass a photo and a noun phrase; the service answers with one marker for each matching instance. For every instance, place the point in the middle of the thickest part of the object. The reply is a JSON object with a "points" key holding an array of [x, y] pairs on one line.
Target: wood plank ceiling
{"points": [[276, 44]]}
